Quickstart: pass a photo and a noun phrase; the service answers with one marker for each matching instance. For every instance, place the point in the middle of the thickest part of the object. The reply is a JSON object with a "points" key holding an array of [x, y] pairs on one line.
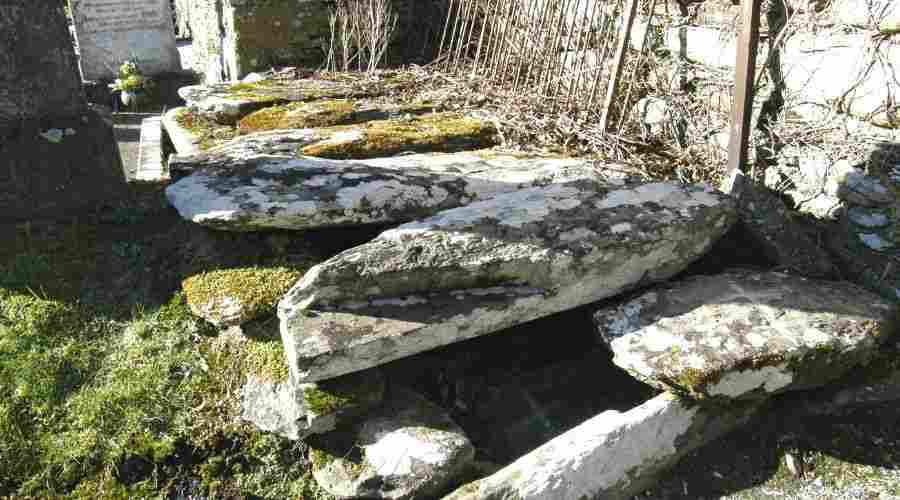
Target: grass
{"points": [[101, 405]]}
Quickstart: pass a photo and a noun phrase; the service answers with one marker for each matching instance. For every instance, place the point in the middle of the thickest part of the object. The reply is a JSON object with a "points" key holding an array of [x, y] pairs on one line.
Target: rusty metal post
{"points": [[745, 70], [619, 63]]}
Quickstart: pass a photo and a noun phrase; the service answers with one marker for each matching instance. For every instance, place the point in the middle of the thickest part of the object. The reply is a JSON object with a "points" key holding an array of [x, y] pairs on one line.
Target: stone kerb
{"points": [[110, 32]]}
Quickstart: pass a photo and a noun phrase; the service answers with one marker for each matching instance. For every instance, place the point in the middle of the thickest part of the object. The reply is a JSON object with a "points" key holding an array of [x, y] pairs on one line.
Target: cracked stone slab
{"points": [[745, 334], [409, 448], [261, 192], [297, 411], [227, 103], [613, 456], [473, 270]]}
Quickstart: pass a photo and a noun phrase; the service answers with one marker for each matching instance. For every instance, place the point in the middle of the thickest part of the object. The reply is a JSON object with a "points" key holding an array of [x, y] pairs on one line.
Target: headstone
{"points": [[59, 157], [110, 32], [39, 77]]}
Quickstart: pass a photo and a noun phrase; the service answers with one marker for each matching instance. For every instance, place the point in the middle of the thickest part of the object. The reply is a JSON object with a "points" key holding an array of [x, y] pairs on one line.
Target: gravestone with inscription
{"points": [[110, 32], [58, 156]]}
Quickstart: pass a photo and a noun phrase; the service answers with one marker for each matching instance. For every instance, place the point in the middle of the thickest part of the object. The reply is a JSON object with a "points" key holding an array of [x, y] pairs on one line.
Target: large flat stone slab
{"points": [[746, 334], [438, 132], [150, 165], [227, 103], [260, 192], [490, 265], [612, 456]]}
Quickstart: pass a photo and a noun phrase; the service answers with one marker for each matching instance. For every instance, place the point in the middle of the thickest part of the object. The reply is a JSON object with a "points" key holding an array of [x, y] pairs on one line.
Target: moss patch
{"points": [[299, 115], [436, 132], [207, 132], [348, 394], [256, 290]]}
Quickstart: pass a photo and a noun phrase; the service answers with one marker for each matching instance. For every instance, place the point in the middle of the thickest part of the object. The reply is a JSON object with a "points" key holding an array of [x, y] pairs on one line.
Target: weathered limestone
{"points": [[408, 449], [612, 456], [236, 37], [252, 192], [40, 74], [858, 88], [327, 113], [150, 166], [745, 334], [110, 32], [226, 103], [490, 265], [299, 411], [183, 18]]}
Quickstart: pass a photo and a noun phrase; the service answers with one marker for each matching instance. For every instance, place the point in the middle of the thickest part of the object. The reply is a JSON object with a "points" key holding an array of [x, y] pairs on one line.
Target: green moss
{"points": [[256, 289], [436, 132], [206, 132], [299, 115]]}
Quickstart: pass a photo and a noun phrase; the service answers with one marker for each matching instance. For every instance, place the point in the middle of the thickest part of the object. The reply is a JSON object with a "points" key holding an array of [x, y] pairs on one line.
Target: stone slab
{"points": [[186, 143], [151, 167], [612, 456], [474, 270], [745, 334], [110, 32], [267, 191]]}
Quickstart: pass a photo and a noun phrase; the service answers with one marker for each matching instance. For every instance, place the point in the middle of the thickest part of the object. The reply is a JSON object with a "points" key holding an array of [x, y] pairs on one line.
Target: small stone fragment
{"points": [[410, 448]]}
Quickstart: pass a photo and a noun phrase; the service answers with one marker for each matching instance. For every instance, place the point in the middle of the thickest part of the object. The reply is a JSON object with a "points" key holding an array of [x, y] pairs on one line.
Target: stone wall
{"points": [[235, 37], [39, 76]]}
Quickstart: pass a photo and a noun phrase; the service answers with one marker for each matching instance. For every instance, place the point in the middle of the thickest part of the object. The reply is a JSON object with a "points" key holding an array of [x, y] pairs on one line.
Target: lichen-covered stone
{"points": [[410, 448], [745, 334], [234, 296], [423, 134], [326, 113], [493, 264], [612, 456], [227, 103], [296, 411], [264, 191]]}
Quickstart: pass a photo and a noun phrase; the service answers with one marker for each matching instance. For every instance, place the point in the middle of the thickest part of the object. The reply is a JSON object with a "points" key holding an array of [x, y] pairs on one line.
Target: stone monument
{"points": [[110, 32], [58, 156]]}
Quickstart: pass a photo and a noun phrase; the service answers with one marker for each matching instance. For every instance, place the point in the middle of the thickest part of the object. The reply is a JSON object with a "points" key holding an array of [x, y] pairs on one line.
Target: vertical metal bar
{"points": [[745, 69], [619, 63]]}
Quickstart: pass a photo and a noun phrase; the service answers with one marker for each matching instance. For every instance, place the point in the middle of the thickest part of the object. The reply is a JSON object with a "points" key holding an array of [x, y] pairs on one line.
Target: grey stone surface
{"points": [[150, 165], [868, 218], [612, 456], [410, 448], [40, 78], [297, 411], [746, 334], [251, 192], [473, 270], [110, 32]]}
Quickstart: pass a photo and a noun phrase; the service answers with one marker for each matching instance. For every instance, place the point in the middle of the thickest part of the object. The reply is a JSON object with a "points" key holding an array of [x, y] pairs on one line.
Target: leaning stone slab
{"points": [[745, 334], [410, 448], [612, 456], [490, 265], [227, 103], [257, 192], [185, 141], [297, 411]]}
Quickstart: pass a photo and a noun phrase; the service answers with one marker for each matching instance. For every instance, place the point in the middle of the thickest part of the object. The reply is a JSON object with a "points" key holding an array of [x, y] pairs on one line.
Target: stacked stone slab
{"points": [[235, 37], [59, 156]]}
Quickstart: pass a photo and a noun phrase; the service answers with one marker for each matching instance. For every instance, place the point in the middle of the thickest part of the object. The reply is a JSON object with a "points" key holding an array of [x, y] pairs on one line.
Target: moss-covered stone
{"points": [[235, 296], [432, 133], [207, 133], [325, 113], [348, 395]]}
